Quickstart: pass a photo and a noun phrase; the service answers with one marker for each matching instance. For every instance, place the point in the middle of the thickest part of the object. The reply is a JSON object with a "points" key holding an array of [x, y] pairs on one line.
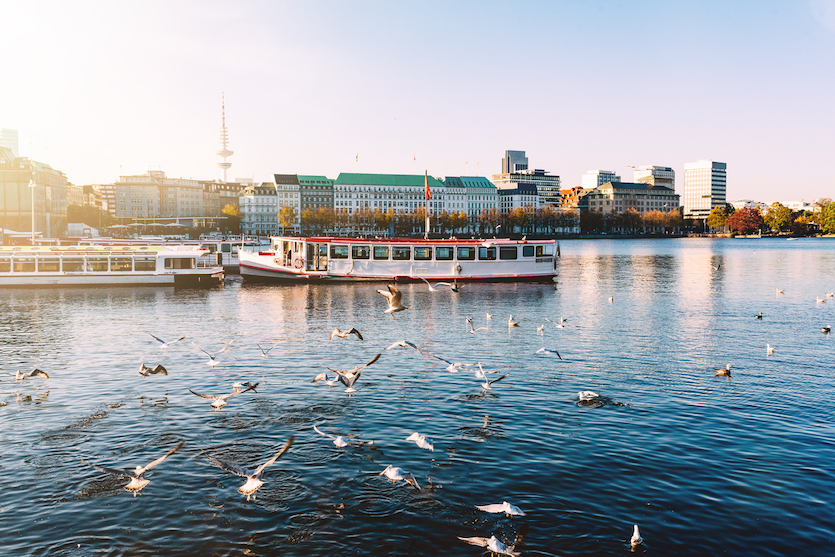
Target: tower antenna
{"points": [[224, 152]]}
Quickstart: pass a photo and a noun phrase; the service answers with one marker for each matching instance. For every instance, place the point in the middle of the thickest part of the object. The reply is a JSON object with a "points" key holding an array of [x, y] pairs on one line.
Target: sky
{"points": [[104, 89]]}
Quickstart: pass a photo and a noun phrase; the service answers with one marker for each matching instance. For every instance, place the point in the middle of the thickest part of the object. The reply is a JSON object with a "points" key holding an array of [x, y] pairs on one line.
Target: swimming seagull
{"points": [[253, 477], [394, 297], [145, 371], [395, 473], [769, 349], [826, 329], [213, 359], [350, 372], [220, 401], [830, 294], [759, 315], [437, 285], [29, 374], [264, 353], [511, 322], [137, 482], [489, 316], [491, 543], [587, 395], [821, 300], [344, 334], [324, 377], [421, 441], [504, 507], [544, 350], [611, 299], [723, 370], [164, 344], [472, 329], [541, 329], [780, 291], [636, 537], [338, 440]]}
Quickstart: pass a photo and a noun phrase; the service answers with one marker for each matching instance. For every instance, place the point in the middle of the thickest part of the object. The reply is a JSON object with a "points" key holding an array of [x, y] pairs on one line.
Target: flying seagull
{"points": [[472, 330], [29, 374], [437, 285], [220, 401], [451, 367], [253, 477], [264, 353], [394, 297], [240, 387], [723, 370], [421, 441], [164, 344], [350, 372], [491, 543], [344, 334], [395, 473], [544, 350], [487, 383], [145, 371], [137, 482], [403, 344], [349, 381], [504, 507], [338, 440], [213, 359], [324, 377]]}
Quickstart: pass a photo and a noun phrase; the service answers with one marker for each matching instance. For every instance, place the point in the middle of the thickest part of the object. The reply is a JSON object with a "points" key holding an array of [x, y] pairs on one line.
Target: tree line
{"points": [[777, 218]]}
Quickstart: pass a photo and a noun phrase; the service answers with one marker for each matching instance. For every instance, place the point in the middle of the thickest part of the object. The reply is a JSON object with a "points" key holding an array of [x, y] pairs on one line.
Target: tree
{"points": [[287, 217], [745, 221], [778, 217], [718, 218], [591, 221], [826, 219], [673, 220], [233, 218], [90, 215]]}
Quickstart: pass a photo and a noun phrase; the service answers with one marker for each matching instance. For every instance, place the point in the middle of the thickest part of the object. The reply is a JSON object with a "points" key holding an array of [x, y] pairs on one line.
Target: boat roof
{"points": [[413, 241], [104, 250]]}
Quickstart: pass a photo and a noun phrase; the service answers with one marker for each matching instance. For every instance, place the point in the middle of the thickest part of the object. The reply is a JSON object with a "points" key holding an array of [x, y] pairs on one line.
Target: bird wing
{"points": [[482, 542], [387, 295], [320, 377], [261, 349], [495, 380], [158, 369], [38, 373], [178, 340], [226, 466], [497, 508], [409, 478], [395, 295], [158, 339], [210, 397], [356, 332], [114, 471], [371, 361], [203, 351], [163, 457], [426, 281], [437, 284], [276, 457], [225, 347], [320, 432], [349, 382], [334, 333]]}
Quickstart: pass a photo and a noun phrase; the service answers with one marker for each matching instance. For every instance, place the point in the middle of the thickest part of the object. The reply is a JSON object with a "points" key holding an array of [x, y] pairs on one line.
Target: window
{"points": [[179, 263], [527, 251], [339, 252], [360, 252], [508, 252], [544, 250], [401, 253], [49, 265], [423, 253], [443, 254], [73, 265], [5, 265], [381, 252], [96, 264], [466, 253], [486, 254], [121, 264]]}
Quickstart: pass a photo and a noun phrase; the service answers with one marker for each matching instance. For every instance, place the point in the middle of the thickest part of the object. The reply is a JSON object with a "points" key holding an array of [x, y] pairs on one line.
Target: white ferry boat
{"points": [[355, 259], [105, 265]]}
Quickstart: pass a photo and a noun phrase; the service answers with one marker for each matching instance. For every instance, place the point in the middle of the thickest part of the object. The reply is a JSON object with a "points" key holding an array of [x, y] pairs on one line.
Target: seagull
{"points": [[344, 334], [145, 371], [452, 367], [636, 537], [488, 244], [544, 350], [213, 359], [472, 329], [324, 377], [504, 507], [403, 344], [611, 299], [769, 349], [164, 344], [394, 297], [759, 315], [587, 395], [826, 329], [560, 325], [454, 286], [821, 300], [780, 291], [339, 441], [437, 285], [350, 372], [830, 294], [491, 543], [541, 329], [253, 477], [349, 382], [137, 482], [34, 373], [486, 384], [239, 387], [264, 353], [220, 401], [723, 370], [489, 316], [511, 322], [421, 441], [395, 473]]}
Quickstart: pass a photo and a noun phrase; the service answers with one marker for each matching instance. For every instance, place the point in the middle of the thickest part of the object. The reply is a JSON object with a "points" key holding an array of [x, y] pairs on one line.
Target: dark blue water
{"points": [[703, 464]]}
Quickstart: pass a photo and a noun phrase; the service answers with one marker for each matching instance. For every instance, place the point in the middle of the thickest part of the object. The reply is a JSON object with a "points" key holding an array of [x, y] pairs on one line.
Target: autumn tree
{"points": [[778, 217], [745, 221], [826, 218], [287, 217], [233, 215], [591, 221], [718, 218]]}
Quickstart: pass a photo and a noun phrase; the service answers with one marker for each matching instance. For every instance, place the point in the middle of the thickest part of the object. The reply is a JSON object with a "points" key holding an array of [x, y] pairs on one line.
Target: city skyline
{"points": [[324, 88]]}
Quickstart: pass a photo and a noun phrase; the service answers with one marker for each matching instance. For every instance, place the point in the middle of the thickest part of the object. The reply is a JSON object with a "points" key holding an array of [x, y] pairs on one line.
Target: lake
{"points": [[738, 465]]}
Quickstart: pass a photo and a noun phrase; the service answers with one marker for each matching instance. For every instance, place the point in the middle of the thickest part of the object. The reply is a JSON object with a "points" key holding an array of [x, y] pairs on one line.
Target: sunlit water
{"points": [[703, 464]]}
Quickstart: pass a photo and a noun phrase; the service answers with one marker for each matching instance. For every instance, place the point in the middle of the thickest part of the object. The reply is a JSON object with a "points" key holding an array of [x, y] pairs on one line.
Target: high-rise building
{"points": [[704, 187], [49, 195], [656, 176], [514, 161], [595, 178], [8, 139]]}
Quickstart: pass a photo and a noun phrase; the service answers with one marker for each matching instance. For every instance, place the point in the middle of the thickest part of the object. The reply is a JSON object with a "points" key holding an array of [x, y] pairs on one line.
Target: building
{"points": [[289, 196], [479, 193], [748, 204], [91, 196], [524, 197], [595, 178], [315, 192], [514, 161], [8, 139], [259, 210], [617, 197], [75, 194], [705, 185], [401, 192], [655, 176], [49, 193]]}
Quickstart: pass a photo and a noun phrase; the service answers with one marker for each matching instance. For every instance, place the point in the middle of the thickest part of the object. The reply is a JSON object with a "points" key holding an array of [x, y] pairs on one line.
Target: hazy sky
{"points": [[102, 89]]}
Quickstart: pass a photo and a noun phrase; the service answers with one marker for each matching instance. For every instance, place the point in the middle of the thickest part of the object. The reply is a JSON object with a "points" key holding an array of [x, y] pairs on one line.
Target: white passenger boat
{"points": [[105, 265], [354, 259]]}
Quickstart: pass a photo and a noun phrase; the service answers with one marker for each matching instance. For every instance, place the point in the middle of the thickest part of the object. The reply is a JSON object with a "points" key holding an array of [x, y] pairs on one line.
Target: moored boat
{"points": [[362, 259]]}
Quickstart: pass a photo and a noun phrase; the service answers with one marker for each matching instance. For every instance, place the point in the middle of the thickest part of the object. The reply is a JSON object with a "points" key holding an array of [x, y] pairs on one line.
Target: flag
{"points": [[426, 183]]}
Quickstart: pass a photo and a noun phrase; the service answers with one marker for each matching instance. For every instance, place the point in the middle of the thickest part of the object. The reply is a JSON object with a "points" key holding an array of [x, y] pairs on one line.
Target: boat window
{"points": [[225, 248], [96, 264], [486, 254], [52, 265], [423, 253], [544, 250], [5, 265], [443, 254], [401, 253], [73, 264], [466, 253], [121, 264], [24, 265], [527, 251], [508, 252], [141, 264], [360, 252], [339, 252], [179, 263], [381, 252]]}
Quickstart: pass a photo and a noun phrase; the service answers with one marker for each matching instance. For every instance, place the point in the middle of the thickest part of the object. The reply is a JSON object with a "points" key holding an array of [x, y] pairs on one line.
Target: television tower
{"points": [[223, 152]]}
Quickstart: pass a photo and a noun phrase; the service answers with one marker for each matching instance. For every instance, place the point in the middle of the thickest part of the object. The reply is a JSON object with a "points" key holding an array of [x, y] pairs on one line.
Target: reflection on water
{"points": [[667, 445]]}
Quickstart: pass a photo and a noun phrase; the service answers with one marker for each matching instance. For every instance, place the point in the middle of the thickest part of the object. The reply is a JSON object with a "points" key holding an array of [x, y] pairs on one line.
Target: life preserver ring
{"points": [[298, 263]]}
